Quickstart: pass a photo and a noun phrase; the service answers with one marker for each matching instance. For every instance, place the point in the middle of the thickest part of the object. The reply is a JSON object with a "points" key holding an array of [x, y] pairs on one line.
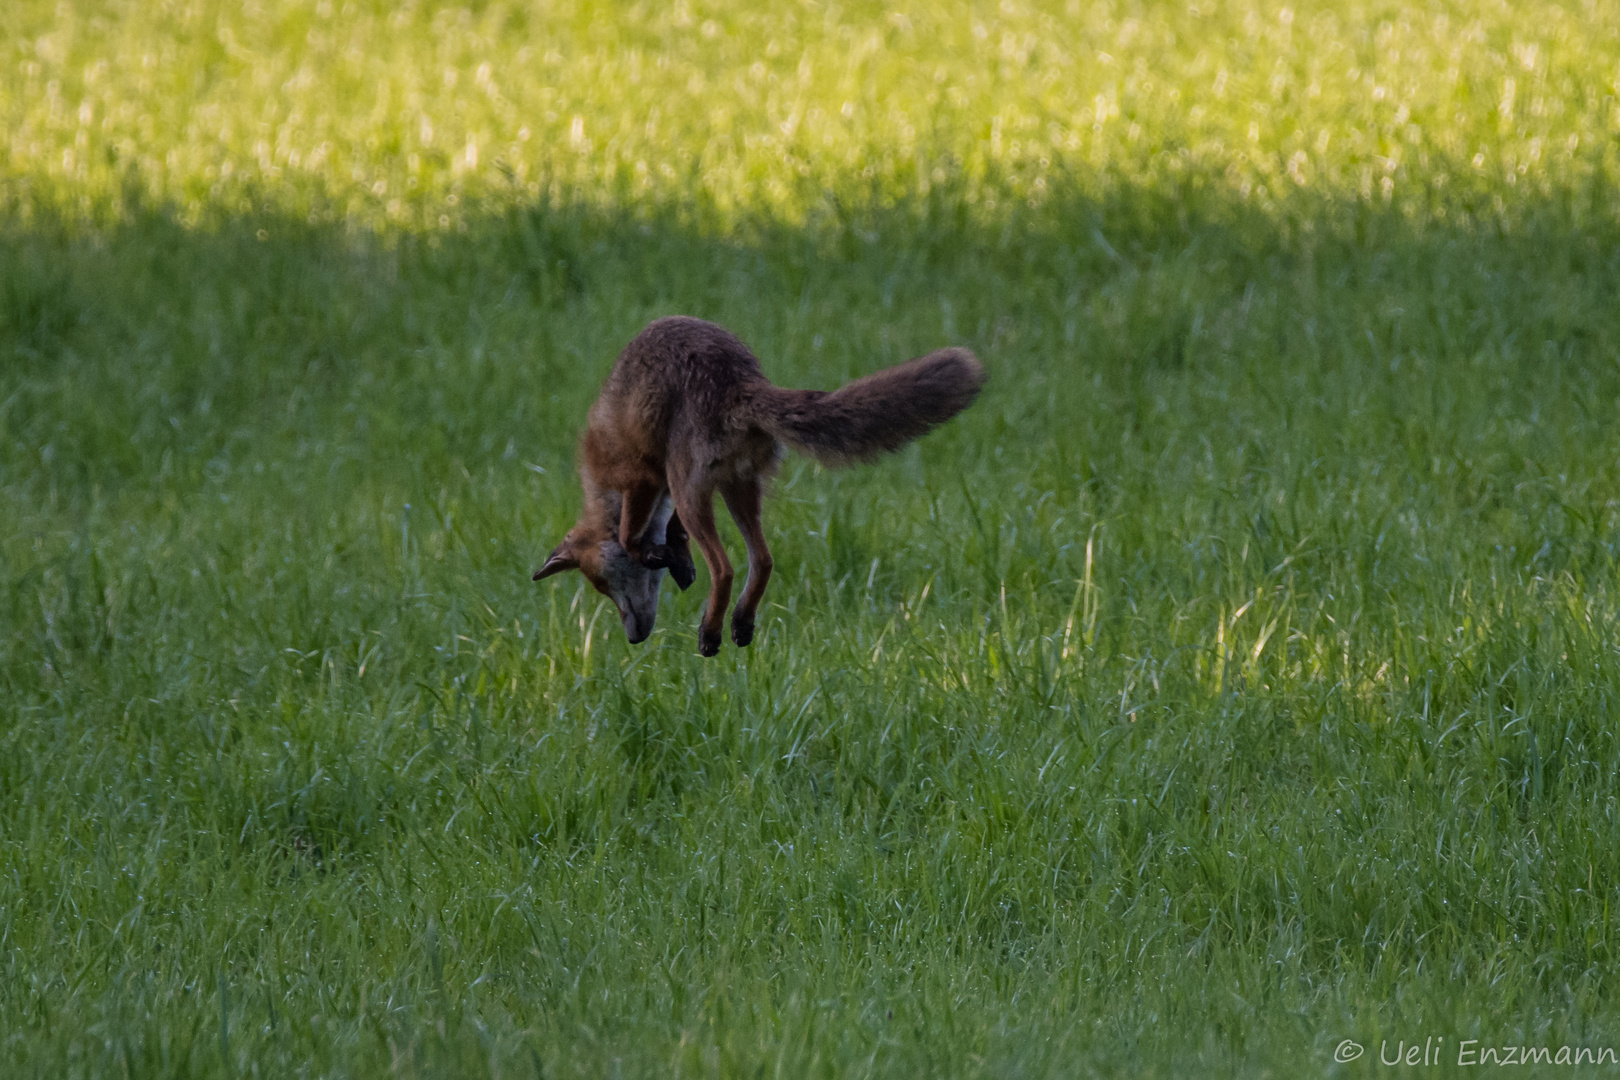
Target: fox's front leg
{"points": [[680, 552], [635, 513]]}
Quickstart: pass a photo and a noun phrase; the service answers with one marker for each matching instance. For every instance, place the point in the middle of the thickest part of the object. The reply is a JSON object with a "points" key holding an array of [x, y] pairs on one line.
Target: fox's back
{"points": [[680, 374], [681, 356]]}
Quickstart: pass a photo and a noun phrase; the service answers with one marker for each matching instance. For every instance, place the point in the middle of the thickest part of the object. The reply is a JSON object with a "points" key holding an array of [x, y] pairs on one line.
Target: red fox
{"points": [[687, 412]]}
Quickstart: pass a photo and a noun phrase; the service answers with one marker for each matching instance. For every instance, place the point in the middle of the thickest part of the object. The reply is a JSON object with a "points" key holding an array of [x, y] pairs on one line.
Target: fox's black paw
{"points": [[742, 630], [708, 641], [682, 570]]}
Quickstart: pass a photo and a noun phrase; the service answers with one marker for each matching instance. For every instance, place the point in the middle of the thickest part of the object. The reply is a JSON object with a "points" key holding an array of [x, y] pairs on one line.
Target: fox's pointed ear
{"points": [[561, 558]]}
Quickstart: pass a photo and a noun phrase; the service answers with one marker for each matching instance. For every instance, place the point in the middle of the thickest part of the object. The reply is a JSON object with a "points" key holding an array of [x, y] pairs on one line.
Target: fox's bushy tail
{"points": [[874, 414]]}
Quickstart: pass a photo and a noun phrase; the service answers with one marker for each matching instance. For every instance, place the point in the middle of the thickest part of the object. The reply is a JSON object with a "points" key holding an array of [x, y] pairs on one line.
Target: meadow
{"points": [[1232, 680]]}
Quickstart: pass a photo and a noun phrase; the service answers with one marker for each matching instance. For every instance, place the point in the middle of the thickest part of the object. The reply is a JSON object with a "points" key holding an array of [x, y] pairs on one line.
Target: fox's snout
{"points": [[634, 629]]}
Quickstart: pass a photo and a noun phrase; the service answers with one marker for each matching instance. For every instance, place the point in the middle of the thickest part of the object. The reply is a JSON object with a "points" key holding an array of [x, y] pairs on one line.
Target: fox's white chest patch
{"points": [[658, 524]]}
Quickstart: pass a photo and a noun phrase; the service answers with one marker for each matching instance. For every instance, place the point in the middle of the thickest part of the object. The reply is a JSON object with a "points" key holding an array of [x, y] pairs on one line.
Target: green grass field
{"points": [[1238, 677]]}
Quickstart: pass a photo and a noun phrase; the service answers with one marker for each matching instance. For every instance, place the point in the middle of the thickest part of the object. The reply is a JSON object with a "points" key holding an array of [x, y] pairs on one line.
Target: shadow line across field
{"points": [[265, 321]]}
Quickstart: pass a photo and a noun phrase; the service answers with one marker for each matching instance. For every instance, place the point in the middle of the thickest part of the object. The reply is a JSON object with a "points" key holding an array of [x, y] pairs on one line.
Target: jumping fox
{"points": [[687, 412]]}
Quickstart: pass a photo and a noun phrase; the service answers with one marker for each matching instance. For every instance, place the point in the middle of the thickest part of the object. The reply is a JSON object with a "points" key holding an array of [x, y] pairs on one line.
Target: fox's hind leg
{"points": [[696, 510], [745, 499]]}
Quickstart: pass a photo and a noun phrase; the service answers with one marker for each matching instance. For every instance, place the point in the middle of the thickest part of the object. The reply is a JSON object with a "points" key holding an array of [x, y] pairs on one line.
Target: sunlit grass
{"points": [[1237, 677], [387, 112]]}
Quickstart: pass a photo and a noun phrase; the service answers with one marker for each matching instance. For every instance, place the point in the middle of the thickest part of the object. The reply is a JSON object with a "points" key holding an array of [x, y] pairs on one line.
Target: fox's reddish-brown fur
{"points": [[686, 413]]}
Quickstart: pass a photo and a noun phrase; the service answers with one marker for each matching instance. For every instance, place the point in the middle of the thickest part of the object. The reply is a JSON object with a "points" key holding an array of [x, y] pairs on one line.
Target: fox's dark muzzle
{"points": [[635, 630]]}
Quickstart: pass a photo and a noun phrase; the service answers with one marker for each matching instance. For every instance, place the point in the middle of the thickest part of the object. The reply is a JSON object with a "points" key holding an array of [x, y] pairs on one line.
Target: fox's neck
{"points": [[600, 515]]}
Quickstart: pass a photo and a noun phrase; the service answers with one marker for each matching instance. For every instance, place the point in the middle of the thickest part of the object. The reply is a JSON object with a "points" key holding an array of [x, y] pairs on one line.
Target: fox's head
{"points": [[619, 576], [612, 572]]}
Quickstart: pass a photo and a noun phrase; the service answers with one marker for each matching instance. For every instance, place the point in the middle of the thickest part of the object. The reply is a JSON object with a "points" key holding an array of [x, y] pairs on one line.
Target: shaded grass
{"points": [[1233, 679]]}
